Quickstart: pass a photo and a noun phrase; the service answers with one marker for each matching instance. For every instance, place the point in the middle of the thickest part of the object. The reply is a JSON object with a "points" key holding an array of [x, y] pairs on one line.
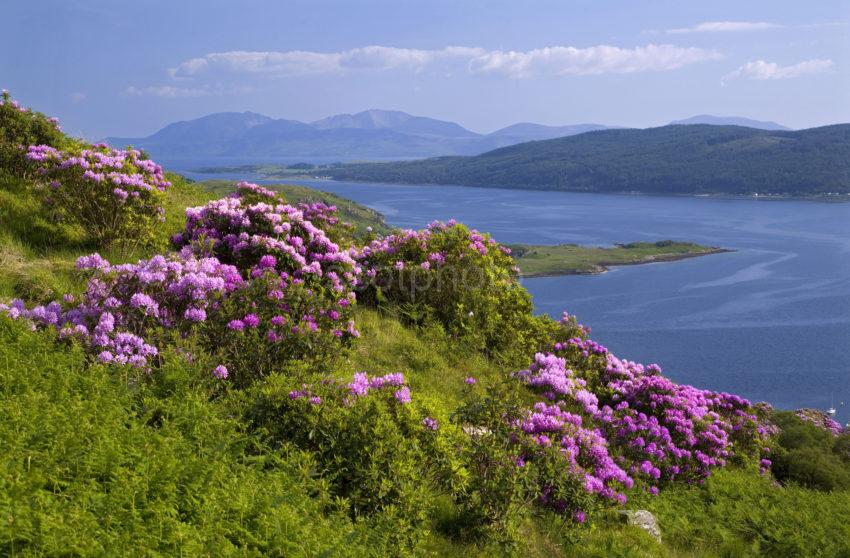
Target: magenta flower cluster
{"points": [[633, 422], [361, 386], [426, 249], [124, 171], [113, 194], [269, 236], [300, 283], [124, 306], [822, 420]]}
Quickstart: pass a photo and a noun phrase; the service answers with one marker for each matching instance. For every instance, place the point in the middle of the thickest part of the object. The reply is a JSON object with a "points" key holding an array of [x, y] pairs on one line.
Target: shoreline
{"points": [[821, 198], [605, 267]]}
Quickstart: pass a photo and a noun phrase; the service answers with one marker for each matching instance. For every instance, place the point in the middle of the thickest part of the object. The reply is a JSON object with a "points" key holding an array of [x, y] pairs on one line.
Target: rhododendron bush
{"points": [[380, 451], [300, 284], [462, 278], [598, 426], [257, 284], [115, 195], [21, 127]]}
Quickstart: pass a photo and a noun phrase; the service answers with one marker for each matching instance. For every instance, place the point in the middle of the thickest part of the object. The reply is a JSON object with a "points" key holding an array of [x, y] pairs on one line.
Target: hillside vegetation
{"points": [[694, 159], [265, 381]]}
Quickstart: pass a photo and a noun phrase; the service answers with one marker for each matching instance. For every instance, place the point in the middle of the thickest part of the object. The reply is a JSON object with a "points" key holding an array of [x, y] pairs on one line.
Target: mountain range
{"points": [[371, 134], [673, 159]]}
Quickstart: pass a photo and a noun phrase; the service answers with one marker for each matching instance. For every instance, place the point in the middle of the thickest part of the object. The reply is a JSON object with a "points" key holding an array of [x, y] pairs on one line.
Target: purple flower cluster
{"points": [[634, 422], [821, 419], [125, 305], [427, 249], [113, 194], [360, 386], [584, 448], [362, 383], [261, 236], [124, 173]]}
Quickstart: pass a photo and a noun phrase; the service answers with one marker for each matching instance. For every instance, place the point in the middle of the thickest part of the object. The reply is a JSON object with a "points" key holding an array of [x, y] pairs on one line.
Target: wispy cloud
{"points": [[166, 91], [725, 27], [302, 62], [762, 70], [741, 26], [594, 60], [78, 97], [548, 61]]}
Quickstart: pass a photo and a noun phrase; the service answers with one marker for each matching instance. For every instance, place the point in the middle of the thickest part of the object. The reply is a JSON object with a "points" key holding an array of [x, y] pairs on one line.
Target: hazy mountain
{"points": [[731, 121], [371, 134], [395, 120], [696, 159], [527, 131]]}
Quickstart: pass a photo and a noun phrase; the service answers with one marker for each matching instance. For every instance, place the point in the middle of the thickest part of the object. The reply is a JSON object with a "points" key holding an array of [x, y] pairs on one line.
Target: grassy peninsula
{"points": [[572, 259]]}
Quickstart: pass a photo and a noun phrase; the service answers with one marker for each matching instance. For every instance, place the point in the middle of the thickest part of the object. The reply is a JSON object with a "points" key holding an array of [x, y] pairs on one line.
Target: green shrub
{"points": [[810, 455], [115, 196], [459, 277], [21, 127], [378, 454]]}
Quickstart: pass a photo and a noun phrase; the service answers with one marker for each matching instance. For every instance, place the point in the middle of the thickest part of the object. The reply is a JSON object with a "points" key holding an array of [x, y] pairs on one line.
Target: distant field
{"points": [[570, 259]]}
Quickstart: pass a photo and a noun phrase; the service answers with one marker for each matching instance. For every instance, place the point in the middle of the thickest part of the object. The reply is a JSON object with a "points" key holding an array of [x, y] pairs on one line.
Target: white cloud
{"points": [[301, 62], [78, 97], [761, 70], [556, 60], [726, 26], [166, 91], [595, 60]]}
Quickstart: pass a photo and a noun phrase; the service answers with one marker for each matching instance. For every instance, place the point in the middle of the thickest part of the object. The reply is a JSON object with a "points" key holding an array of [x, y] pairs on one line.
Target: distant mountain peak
{"points": [[731, 121], [372, 119]]}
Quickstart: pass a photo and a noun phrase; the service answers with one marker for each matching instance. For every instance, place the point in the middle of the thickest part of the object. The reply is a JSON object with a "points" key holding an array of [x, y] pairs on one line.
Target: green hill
{"points": [[695, 159]]}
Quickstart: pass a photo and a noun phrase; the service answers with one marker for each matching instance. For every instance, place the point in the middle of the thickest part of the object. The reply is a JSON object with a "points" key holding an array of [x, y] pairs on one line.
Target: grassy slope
{"points": [[93, 462], [567, 259]]}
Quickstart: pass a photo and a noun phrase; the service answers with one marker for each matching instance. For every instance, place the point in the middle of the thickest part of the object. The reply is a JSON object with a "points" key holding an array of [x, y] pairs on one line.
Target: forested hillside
{"points": [[693, 159]]}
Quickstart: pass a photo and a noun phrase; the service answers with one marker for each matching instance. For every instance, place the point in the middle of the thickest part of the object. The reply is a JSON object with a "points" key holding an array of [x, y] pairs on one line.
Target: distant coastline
{"points": [[573, 259], [282, 172]]}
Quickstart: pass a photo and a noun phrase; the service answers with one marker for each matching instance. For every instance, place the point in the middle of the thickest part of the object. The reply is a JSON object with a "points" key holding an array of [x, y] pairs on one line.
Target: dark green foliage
{"points": [[669, 160], [809, 455]]}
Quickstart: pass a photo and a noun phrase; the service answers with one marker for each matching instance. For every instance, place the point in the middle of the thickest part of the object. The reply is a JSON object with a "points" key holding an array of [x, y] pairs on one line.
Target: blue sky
{"points": [[128, 68]]}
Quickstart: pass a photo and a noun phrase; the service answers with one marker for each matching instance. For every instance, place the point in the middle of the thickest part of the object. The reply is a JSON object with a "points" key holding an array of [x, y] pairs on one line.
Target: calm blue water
{"points": [[770, 321]]}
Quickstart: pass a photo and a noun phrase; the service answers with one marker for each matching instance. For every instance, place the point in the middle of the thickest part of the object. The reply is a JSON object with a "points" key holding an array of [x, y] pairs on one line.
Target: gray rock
{"points": [[643, 519]]}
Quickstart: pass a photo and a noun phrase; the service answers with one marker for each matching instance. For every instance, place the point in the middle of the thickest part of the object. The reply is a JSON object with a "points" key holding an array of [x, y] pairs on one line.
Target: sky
{"points": [[126, 69]]}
